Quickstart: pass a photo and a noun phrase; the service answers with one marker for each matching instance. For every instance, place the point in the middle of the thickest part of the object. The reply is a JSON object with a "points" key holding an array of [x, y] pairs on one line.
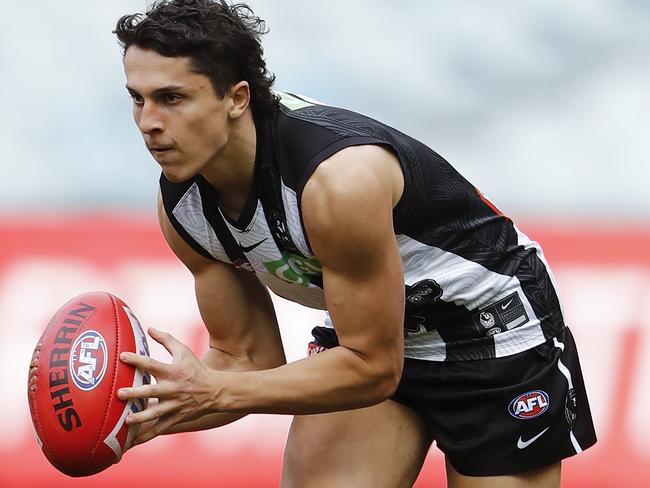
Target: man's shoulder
{"points": [[300, 137], [297, 110], [356, 170]]}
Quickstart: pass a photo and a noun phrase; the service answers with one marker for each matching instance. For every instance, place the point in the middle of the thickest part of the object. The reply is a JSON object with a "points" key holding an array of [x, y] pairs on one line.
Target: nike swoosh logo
{"points": [[250, 248], [521, 444], [506, 305]]}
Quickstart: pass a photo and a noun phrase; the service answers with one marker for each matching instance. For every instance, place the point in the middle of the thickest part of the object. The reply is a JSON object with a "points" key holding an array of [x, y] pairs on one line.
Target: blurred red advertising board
{"points": [[603, 274]]}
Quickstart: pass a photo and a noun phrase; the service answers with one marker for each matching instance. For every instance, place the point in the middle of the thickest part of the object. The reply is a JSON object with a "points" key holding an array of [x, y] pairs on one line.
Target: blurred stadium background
{"points": [[543, 105]]}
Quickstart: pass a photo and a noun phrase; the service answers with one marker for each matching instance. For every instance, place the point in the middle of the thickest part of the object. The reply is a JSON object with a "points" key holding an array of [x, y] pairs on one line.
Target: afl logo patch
{"points": [[529, 405], [88, 360]]}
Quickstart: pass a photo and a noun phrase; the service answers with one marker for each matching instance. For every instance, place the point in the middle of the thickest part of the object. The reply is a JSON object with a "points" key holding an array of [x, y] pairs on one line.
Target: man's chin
{"points": [[176, 176]]}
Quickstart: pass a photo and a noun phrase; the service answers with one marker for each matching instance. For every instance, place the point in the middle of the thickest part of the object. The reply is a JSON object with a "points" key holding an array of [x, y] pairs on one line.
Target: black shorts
{"points": [[498, 416]]}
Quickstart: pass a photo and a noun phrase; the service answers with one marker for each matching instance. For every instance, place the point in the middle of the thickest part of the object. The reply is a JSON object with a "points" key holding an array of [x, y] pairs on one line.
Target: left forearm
{"points": [[336, 379]]}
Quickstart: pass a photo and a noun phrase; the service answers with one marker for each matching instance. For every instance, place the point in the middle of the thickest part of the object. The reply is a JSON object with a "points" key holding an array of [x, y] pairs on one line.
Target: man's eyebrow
{"points": [[159, 91]]}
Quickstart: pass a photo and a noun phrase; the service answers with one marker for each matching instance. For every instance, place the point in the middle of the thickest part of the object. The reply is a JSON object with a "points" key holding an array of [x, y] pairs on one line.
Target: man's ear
{"points": [[240, 94]]}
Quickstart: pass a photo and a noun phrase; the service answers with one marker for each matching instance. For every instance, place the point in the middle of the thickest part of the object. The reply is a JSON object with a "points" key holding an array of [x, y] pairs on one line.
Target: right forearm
{"points": [[210, 421]]}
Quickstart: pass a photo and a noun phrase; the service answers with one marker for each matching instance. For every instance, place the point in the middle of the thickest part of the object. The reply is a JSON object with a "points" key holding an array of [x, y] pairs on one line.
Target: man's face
{"points": [[182, 120]]}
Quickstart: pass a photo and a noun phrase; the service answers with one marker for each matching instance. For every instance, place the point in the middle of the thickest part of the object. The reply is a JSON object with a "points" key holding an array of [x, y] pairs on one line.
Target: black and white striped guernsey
{"points": [[476, 287]]}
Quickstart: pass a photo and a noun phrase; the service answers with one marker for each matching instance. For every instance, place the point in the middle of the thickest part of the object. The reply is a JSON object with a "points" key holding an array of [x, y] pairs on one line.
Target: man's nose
{"points": [[150, 119]]}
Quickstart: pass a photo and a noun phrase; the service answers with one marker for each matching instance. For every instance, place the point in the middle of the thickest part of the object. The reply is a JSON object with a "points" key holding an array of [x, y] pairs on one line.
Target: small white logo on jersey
{"points": [[487, 319], [521, 444], [507, 304]]}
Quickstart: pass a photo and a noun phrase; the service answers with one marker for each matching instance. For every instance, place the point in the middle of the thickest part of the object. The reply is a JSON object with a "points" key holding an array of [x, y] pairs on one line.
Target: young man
{"points": [[442, 319]]}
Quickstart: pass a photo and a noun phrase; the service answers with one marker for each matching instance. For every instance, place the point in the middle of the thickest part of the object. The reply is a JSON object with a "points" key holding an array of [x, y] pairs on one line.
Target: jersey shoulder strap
{"points": [[193, 213]]}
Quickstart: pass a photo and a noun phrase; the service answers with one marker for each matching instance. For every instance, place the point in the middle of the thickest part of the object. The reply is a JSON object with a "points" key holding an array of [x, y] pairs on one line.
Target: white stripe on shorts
{"points": [[567, 374]]}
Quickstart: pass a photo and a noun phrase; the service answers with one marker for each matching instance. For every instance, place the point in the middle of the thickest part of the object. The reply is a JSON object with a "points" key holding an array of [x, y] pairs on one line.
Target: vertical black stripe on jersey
{"points": [[171, 195], [268, 182], [213, 215], [305, 140]]}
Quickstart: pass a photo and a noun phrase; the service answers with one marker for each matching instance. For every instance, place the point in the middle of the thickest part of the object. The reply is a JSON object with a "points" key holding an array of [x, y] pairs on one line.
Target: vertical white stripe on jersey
{"points": [[292, 215], [560, 365], [567, 374], [189, 213]]}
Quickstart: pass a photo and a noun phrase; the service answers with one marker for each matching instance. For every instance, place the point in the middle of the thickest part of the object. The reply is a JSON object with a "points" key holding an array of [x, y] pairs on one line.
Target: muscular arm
{"points": [[238, 314], [347, 210]]}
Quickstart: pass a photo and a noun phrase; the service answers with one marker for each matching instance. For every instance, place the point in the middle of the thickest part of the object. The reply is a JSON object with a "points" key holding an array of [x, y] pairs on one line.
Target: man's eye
{"points": [[137, 99], [172, 98]]}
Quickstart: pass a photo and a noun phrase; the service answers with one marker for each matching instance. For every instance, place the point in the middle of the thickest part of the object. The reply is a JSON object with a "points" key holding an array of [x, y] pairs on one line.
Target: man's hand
{"points": [[146, 430], [185, 389]]}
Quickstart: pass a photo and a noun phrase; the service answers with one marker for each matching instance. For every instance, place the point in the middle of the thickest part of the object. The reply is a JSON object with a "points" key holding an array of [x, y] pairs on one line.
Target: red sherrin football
{"points": [[79, 420]]}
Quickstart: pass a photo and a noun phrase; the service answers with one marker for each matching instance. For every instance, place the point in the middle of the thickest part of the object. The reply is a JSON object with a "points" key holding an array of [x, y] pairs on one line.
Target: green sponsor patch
{"points": [[294, 269], [291, 102]]}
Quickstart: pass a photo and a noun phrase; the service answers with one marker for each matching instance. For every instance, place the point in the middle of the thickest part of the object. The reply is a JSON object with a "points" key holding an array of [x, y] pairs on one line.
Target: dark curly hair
{"points": [[222, 41]]}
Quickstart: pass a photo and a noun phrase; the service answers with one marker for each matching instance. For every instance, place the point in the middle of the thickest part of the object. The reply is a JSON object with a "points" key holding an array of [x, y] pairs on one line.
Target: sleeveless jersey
{"points": [[475, 286]]}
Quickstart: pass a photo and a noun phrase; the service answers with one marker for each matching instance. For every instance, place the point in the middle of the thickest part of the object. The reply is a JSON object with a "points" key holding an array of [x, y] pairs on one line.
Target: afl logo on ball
{"points": [[88, 360], [529, 405]]}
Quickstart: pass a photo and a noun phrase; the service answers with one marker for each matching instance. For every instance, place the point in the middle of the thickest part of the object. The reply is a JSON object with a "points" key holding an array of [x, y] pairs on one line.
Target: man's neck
{"points": [[231, 175]]}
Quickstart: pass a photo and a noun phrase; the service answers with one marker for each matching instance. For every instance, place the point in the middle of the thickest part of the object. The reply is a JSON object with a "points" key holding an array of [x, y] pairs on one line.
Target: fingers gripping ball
{"points": [[74, 375]]}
